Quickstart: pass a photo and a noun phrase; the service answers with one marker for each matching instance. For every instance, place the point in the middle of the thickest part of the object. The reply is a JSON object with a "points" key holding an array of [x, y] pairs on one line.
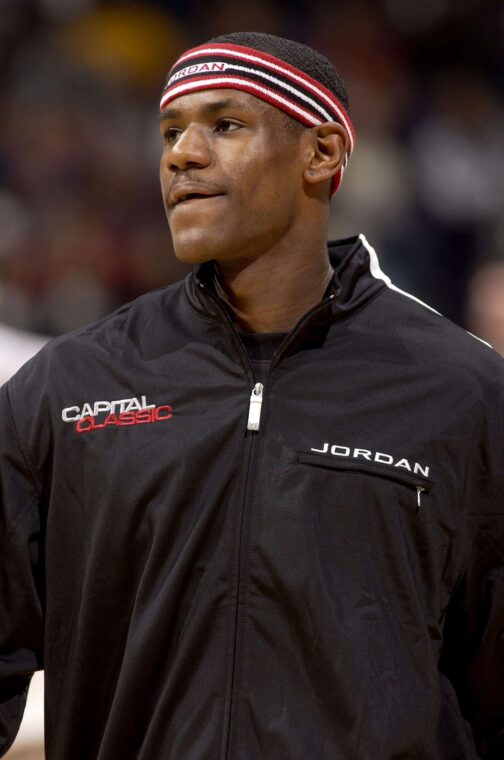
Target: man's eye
{"points": [[226, 125], [170, 135]]}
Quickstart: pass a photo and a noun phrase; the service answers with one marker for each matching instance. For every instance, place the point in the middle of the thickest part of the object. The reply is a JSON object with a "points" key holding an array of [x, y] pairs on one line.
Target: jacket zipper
{"points": [[255, 407], [253, 424], [254, 415], [256, 398]]}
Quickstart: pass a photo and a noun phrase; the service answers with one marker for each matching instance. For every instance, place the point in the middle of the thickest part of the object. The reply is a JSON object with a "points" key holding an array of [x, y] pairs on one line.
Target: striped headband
{"points": [[222, 65]]}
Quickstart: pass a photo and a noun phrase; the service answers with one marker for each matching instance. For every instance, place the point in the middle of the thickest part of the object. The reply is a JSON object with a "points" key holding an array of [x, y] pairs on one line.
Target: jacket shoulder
{"points": [[129, 321], [121, 337], [435, 339]]}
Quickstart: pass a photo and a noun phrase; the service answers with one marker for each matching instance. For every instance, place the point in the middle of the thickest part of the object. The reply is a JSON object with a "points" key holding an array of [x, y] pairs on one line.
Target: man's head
{"points": [[256, 136]]}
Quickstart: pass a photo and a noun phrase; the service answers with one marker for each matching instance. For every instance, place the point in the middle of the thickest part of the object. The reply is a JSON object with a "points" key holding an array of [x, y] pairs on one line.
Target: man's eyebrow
{"points": [[205, 109], [169, 113]]}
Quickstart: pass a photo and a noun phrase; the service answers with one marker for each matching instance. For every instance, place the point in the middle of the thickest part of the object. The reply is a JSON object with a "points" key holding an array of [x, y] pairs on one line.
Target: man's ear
{"points": [[329, 145]]}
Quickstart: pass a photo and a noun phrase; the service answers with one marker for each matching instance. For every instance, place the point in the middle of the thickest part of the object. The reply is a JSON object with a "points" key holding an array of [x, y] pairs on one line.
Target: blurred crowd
{"points": [[82, 228]]}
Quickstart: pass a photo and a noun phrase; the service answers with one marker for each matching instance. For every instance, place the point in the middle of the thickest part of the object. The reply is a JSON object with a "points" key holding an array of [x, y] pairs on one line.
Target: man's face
{"points": [[231, 175]]}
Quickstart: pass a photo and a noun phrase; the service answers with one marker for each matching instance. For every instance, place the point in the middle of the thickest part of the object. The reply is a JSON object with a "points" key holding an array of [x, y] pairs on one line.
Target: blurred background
{"points": [[82, 227]]}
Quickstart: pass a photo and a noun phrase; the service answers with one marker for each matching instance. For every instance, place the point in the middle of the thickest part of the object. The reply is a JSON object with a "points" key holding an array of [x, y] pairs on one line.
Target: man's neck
{"points": [[271, 293]]}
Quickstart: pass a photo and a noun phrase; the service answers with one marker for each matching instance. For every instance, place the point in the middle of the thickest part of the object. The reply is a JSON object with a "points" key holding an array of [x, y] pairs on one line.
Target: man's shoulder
{"points": [[434, 341], [128, 322], [115, 337]]}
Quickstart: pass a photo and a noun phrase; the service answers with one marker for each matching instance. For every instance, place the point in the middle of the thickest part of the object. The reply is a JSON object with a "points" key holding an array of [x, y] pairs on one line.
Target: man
{"points": [[257, 514]]}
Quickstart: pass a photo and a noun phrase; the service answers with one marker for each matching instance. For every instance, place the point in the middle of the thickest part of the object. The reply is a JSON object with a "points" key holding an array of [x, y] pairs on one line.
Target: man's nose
{"points": [[190, 150]]}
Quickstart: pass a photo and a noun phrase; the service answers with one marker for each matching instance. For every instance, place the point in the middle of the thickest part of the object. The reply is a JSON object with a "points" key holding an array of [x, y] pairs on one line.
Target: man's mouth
{"points": [[184, 195], [194, 197]]}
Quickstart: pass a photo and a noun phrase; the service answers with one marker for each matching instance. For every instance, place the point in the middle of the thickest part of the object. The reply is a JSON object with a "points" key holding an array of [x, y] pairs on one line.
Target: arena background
{"points": [[82, 228]]}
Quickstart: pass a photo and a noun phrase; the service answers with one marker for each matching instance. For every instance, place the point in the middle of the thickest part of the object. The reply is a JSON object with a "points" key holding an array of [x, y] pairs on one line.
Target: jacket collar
{"points": [[352, 287]]}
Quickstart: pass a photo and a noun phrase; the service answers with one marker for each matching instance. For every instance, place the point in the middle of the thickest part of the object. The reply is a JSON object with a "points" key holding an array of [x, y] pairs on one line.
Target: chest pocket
{"points": [[419, 486], [379, 520]]}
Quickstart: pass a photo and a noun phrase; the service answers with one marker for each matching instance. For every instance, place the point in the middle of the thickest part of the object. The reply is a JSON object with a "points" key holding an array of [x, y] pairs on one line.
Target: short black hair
{"points": [[301, 56]]}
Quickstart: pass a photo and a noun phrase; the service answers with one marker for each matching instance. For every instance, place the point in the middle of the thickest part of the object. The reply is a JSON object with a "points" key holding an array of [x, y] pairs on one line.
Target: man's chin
{"points": [[193, 254], [195, 246], [193, 261]]}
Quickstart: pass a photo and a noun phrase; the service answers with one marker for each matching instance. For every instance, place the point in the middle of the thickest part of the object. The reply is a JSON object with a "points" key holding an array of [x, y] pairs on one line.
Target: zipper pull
{"points": [[419, 490], [254, 415]]}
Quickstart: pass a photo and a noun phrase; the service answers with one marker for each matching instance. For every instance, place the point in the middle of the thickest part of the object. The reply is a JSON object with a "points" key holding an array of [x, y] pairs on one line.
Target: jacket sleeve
{"points": [[21, 578], [473, 650]]}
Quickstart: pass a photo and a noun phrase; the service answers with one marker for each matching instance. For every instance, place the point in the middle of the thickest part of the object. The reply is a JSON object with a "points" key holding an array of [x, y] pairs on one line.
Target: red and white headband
{"points": [[222, 65]]}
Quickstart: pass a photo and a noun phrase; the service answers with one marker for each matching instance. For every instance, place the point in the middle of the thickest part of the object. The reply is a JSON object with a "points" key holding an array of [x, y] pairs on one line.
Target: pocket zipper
{"points": [[420, 490], [351, 466]]}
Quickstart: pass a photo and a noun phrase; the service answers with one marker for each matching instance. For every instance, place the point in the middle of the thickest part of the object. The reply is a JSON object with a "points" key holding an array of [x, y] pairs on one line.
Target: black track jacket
{"points": [[329, 586]]}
